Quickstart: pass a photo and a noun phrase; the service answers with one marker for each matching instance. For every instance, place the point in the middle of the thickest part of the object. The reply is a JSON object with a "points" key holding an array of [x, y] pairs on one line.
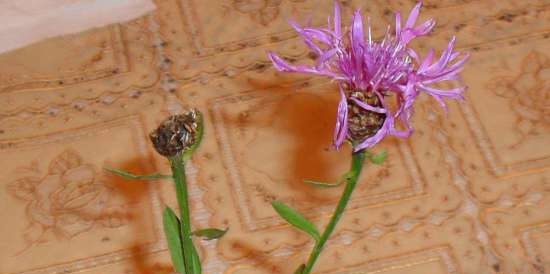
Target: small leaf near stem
{"points": [[210, 233], [296, 219], [131, 176], [344, 178], [377, 159], [323, 184], [172, 229]]}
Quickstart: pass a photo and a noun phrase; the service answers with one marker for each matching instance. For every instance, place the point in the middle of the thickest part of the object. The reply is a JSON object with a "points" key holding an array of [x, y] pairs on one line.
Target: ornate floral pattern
{"points": [[529, 94], [69, 200]]}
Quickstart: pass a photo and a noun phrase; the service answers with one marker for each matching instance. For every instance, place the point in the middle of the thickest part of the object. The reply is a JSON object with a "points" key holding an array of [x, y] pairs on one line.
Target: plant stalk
{"points": [[358, 159], [178, 173]]}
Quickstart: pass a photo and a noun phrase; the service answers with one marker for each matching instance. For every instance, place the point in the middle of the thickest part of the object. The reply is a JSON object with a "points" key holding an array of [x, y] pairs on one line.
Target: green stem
{"points": [[356, 166], [178, 173]]}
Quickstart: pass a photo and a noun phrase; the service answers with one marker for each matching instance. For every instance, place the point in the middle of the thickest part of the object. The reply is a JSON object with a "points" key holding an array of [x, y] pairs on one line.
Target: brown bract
{"points": [[363, 123]]}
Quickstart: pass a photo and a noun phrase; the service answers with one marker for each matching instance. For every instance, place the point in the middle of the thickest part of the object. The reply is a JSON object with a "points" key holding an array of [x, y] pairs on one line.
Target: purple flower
{"points": [[371, 72]]}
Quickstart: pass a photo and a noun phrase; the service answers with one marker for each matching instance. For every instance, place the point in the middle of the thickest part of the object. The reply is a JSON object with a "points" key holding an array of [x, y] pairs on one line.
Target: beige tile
{"points": [[468, 193]]}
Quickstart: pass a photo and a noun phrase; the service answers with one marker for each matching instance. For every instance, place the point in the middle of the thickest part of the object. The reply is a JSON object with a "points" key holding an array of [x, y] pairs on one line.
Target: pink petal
{"points": [[357, 33], [307, 38], [319, 35], [427, 61], [282, 65], [414, 55], [425, 28], [337, 20], [397, 24], [325, 57], [413, 15], [368, 107], [454, 93], [373, 140], [341, 128], [445, 56]]}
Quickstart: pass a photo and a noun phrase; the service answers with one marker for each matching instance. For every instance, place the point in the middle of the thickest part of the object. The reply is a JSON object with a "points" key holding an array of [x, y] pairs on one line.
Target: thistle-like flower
{"points": [[371, 72], [176, 134]]}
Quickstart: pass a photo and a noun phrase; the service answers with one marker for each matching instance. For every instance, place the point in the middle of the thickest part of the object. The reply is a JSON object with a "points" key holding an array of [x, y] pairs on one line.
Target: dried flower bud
{"points": [[176, 134], [363, 123]]}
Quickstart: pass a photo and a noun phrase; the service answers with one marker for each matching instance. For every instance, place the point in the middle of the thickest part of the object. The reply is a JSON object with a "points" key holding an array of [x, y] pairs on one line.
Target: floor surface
{"points": [[469, 193]]}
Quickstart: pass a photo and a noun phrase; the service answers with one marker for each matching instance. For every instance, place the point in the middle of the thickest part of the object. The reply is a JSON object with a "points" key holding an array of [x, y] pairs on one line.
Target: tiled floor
{"points": [[469, 193]]}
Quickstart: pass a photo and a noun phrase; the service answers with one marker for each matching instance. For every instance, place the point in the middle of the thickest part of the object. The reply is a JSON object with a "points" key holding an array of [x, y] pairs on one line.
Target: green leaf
{"points": [[198, 138], [344, 178], [172, 233], [300, 269], [296, 219], [323, 184], [130, 176], [196, 261], [379, 158], [210, 233]]}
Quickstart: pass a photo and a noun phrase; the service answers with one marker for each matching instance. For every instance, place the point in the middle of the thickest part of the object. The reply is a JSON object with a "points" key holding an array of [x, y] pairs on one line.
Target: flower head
{"points": [[371, 72], [177, 134]]}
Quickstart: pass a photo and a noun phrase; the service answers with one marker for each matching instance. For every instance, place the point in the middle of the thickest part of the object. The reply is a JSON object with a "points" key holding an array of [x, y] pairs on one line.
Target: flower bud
{"points": [[176, 134]]}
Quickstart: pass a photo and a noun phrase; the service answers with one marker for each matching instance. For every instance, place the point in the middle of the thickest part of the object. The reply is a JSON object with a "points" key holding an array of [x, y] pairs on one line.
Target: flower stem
{"points": [[178, 172], [358, 159]]}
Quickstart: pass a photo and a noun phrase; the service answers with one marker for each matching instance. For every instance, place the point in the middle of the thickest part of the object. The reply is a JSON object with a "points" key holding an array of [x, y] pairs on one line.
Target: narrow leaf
{"points": [[210, 233], [323, 184], [296, 219], [172, 233], [130, 176], [344, 178], [379, 158], [196, 261], [300, 269]]}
